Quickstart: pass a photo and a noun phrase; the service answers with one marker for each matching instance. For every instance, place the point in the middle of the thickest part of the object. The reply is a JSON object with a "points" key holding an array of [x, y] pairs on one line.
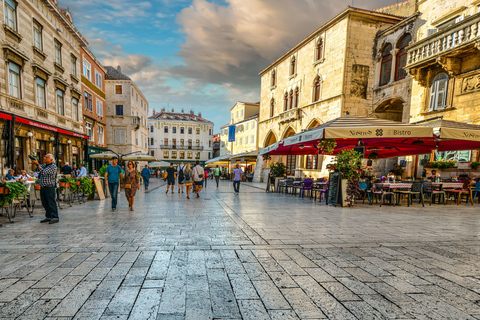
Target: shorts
{"points": [[199, 183], [171, 181]]}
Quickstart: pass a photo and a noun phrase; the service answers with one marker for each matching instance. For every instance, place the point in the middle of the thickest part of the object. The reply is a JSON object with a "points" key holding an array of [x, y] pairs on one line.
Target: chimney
{"points": [[173, 110], [153, 111], [119, 69], [182, 110], [163, 109], [199, 114], [191, 112]]}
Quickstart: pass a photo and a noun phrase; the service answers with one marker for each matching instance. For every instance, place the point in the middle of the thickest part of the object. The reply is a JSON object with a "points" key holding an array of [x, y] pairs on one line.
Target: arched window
{"points": [[438, 92], [319, 50], [285, 102], [386, 68], [316, 89], [272, 107], [402, 45], [292, 66], [297, 96], [290, 102], [273, 81]]}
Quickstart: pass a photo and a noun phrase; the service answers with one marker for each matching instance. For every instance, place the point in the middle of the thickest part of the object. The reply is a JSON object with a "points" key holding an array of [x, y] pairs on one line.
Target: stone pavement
{"points": [[250, 256]]}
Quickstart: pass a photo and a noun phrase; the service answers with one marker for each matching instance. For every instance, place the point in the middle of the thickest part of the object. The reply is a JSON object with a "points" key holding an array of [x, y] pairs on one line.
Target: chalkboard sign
{"points": [[334, 195]]}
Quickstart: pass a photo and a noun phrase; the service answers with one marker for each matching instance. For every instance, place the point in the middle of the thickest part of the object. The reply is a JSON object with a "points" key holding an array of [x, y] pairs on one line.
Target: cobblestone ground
{"points": [[251, 256]]}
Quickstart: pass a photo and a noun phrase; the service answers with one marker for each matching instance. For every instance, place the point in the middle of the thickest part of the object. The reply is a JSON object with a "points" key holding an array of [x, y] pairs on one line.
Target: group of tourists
{"points": [[187, 177]]}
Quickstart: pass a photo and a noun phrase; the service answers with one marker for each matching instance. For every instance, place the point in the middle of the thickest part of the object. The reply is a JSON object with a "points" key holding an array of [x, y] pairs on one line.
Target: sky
{"points": [[200, 55]]}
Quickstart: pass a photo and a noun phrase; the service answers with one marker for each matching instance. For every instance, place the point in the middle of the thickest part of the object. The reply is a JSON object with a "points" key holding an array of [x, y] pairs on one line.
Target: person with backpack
{"points": [[217, 175], [180, 176], [198, 177], [188, 179]]}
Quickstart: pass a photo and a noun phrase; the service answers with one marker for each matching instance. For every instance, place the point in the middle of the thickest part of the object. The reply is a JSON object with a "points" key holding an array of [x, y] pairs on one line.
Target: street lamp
{"points": [[69, 141], [30, 134]]}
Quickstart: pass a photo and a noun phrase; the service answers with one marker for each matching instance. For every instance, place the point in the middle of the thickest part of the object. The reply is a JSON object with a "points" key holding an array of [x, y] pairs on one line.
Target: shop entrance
{"points": [[19, 163]]}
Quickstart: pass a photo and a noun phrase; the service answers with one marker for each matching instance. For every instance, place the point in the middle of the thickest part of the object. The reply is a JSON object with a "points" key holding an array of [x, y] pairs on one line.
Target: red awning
{"points": [[5, 116], [50, 128]]}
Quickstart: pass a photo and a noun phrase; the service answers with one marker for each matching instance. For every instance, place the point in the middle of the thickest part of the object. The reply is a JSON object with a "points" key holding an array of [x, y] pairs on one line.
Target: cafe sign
{"points": [[460, 134], [379, 132]]}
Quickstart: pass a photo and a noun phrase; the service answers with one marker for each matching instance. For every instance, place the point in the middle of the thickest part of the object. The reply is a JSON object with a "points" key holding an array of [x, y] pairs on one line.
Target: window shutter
{"points": [[432, 97], [441, 94]]}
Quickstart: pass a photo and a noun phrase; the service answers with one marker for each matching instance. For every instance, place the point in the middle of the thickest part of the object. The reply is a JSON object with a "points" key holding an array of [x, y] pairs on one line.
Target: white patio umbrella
{"points": [[103, 156], [138, 157], [158, 164]]}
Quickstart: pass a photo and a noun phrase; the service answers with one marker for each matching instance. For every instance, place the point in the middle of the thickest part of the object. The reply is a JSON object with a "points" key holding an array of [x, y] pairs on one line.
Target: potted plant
{"points": [[64, 182], [278, 171], [397, 170], [86, 185], [441, 164], [348, 163], [327, 146], [474, 165], [15, 190]]}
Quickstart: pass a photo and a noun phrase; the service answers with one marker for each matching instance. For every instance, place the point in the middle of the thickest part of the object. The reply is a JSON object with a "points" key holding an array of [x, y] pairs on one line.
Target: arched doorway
{"points": [[270, 139], [313, 124], [391, 109], [288, 133]]}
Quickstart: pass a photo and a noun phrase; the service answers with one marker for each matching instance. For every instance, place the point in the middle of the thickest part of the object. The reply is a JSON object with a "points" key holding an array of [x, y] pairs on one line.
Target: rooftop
{"points": [[181, 116], [115, 74]]}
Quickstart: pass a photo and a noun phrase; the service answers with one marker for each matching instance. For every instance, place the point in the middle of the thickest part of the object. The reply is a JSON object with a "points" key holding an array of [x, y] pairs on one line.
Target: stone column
{"points": [[394, 65]]}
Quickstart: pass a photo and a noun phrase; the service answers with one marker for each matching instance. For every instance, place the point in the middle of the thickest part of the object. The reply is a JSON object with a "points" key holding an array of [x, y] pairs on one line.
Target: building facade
{"points": [[94, 105], [329, 74], [244, 116], [216, 145], [180, 137], [40, 95], [126, 114], [444, 62]]}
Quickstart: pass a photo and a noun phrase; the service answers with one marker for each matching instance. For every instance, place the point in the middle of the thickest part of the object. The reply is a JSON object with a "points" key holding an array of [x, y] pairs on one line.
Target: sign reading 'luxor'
{"points": [[379, 132]]}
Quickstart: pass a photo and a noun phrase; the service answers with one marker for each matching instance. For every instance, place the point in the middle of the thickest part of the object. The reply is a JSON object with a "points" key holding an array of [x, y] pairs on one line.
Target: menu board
{"points": [[99, 188], [334, 195]]}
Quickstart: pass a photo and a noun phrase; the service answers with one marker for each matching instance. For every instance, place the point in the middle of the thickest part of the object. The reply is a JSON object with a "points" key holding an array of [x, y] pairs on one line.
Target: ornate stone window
{"points": [[438, 92], [290, 100], [285, 102], [386, 68], [60, 102], [37, 35], [402, 45], [273, 79], [319, 49], [40, 91], [317, 87], [11, 14], [272, 107], [293, 66], [75, 109], [297, 97], [14, 80], [58, 52]]}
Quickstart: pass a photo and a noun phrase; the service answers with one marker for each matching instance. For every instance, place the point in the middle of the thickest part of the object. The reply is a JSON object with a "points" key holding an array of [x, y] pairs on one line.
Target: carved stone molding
{"points": [[420, 75], [452, 66], [471, 84]]}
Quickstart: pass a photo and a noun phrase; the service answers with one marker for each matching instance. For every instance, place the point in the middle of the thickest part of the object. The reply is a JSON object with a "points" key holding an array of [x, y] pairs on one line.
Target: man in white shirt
{"points": [[198, 177], [83, 171]]}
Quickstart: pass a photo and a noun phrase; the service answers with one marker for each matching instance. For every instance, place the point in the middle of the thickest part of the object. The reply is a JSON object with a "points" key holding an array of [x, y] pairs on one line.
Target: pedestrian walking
{"points": [[146, 175], [180, 175], [205, 175], [198, 177], [237, 177], [47, 179], [171, 175], [158, 174], [217, 175], [131, 183], [113, 176], [188, 179]]}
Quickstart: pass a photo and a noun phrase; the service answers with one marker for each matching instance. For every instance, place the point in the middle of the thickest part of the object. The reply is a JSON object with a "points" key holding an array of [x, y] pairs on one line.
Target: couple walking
{"points": [[131, 182], [188, 177]]}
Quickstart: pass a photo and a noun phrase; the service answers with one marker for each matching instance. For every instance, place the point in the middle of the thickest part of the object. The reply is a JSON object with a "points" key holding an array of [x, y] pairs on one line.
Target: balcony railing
{"points": [[177, 147], [464, 33]]}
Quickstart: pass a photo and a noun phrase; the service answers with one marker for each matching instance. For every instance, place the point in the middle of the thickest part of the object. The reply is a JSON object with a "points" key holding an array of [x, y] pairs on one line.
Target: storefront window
{"points": [[291, 163], [463, 155]]}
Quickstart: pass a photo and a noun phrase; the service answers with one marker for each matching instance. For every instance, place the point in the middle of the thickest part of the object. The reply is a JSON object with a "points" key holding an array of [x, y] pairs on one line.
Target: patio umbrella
{"points": [[158, 164], [452, 135], [138, 157], [220, 159], [386, 138], [103, 156]]}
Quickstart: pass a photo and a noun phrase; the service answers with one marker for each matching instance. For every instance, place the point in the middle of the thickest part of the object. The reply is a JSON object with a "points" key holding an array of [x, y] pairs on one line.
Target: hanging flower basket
{"points": [[327, 146]]}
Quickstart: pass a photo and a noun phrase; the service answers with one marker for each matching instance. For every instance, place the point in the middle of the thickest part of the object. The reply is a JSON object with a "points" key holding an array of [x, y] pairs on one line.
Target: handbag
{"points": [[128, 186]]}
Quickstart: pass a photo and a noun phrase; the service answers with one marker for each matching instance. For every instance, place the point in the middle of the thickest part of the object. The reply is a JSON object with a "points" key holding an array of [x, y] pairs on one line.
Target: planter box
{"points": [[4, 190], [64, 185], [37, 187], [79, 183]]}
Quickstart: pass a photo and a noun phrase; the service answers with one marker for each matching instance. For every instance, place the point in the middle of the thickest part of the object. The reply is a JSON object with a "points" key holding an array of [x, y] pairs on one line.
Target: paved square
{"points": [[250, 256]]}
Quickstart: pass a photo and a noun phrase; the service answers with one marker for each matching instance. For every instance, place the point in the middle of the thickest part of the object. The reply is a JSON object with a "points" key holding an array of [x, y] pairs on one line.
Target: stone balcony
{"points": [[446, 47]]}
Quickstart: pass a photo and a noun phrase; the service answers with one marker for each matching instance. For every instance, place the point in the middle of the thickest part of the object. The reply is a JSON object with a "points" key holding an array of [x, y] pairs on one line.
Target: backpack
{"points": [[181, 174]]}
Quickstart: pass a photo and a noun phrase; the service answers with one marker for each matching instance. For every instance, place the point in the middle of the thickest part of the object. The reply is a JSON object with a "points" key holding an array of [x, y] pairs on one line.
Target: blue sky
{"points": [[201, 55]]}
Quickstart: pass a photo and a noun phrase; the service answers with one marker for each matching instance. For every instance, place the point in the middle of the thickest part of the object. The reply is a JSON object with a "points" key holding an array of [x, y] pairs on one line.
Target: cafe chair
{"points": [[433, 194], [364, 190], [417, 190], [307, 186], [380, 193], [458, 193], [288, 185], [477, 190]]}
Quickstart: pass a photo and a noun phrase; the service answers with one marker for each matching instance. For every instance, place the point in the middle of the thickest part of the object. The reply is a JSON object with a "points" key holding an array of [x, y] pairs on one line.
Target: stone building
{"points": [[244, 116], [444, 62], [328, 74], [126, 112], [94, 103], [180, 137], [40, 92], [216, 145]]}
